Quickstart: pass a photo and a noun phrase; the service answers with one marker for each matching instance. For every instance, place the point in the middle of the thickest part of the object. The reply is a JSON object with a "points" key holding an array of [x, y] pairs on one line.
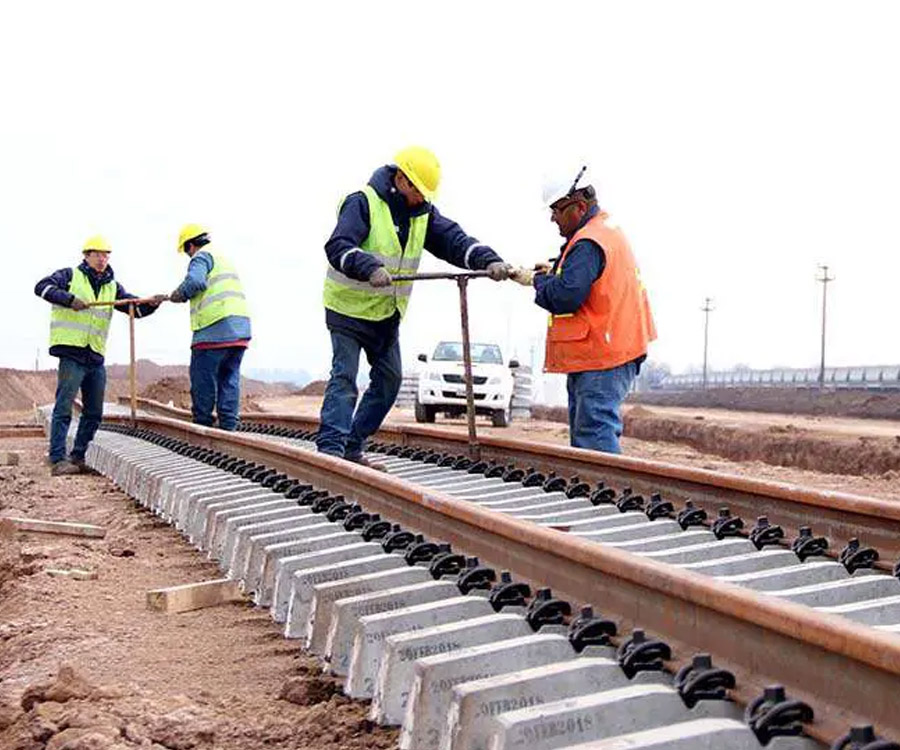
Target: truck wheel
{"points": [[501, 418], [424, 413]]}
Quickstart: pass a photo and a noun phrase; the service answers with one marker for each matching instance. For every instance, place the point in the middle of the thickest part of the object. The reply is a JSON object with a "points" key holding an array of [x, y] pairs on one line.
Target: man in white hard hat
{"points": [[381, 232], [78, 333], [600, 319]]}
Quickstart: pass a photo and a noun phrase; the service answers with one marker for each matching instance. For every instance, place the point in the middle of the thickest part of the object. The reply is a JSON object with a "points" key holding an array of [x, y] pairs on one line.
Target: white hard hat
{"points": [[562, 183]]}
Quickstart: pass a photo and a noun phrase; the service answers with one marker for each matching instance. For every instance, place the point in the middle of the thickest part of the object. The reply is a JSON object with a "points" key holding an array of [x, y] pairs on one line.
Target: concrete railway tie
{"points": [[457, 656]]}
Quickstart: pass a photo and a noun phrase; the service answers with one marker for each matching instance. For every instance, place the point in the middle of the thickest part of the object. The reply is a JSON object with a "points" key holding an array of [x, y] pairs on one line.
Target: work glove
{"points": [[78, 304], [498, 271], [158, 299], [543, 267], [176, 296], [380, 277], [523, 276]]}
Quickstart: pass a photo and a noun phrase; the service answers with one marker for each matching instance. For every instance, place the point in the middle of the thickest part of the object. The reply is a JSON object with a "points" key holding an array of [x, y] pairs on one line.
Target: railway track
{"points": [[644, 575]]}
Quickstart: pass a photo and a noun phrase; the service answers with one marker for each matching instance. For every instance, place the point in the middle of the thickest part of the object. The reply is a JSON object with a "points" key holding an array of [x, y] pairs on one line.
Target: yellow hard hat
{"points": [[190, 232], [422, 168], [97, 242]]}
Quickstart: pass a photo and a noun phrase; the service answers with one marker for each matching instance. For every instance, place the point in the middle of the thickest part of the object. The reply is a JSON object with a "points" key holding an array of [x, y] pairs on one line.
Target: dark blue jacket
{"points": [[565, 293], [444, 239], [55, 289]]}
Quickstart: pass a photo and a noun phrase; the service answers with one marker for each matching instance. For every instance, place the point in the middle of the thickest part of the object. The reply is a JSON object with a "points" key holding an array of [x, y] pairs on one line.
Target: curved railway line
{"points": [[794, 599]]}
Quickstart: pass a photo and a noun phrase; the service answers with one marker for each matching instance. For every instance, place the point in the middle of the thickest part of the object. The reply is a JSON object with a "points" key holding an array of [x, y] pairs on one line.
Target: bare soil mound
{"points": [[177, 391], [315, 388], [869, 404]]}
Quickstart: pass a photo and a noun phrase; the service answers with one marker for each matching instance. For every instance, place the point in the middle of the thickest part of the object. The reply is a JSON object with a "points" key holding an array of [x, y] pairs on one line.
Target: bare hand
{"points": [[498, 271], [380, 277], [158, 299], [176, 297], [78, 304]]}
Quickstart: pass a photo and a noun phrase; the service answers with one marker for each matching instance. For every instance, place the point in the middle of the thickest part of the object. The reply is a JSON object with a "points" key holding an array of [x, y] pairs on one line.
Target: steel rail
{"points": [[839, 516], [850, 673]]}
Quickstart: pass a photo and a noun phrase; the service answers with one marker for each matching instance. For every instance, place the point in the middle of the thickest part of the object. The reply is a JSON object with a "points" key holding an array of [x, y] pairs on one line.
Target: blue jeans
{"points": [[70, 377], [341, 431], [216, 383], [595, 398]]}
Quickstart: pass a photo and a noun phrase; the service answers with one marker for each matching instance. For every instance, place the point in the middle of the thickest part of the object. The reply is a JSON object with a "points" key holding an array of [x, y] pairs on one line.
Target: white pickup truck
{"points": [[442, 384]]}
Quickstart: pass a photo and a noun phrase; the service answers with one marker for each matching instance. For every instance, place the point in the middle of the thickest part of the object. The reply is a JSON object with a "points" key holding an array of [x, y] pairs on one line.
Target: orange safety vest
{"points": [[614, 325]]}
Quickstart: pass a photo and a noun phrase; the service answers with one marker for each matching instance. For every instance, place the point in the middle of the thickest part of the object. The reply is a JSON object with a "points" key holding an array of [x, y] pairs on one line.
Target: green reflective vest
{"points": [[83, 327], [359, 299], [222, 297]]}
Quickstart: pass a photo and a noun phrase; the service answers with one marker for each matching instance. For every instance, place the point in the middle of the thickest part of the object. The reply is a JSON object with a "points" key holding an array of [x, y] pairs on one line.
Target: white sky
{"points": [[738, 145]]}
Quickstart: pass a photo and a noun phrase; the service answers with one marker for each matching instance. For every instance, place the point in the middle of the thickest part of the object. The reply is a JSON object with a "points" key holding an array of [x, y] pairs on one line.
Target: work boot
{"points": [[83, 468], [64, 468], [363, 461]]}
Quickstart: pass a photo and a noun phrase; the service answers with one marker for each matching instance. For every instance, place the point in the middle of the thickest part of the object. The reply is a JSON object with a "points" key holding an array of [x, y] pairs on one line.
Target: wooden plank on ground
{"points": [[13, 432], [58, 527], [194, 596], [74, 573]]}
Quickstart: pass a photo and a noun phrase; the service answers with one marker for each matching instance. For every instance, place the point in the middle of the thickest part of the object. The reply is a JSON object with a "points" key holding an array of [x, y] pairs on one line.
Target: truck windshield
{"points": [[484, 354]]}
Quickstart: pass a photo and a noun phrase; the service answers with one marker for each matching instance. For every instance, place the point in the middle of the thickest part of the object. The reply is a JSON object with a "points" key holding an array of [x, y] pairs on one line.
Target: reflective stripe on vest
{"points": [[614, 325], [359, 299], [80, 328], [223, 296]]}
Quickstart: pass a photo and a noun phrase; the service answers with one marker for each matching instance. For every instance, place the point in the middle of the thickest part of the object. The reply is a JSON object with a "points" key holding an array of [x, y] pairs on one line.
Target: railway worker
{"points": [[381, 232], [220, 322], [78, 336], [600, 321]]}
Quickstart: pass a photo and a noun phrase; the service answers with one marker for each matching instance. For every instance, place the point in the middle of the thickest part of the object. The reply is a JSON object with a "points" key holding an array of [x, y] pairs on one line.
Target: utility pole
{"points": [[824, 279], [707, 309]]}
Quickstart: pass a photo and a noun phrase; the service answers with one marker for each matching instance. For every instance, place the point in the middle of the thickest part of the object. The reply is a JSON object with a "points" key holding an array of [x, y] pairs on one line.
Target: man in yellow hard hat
{"points": [[78, 336], [220, 322], [381, 232]]}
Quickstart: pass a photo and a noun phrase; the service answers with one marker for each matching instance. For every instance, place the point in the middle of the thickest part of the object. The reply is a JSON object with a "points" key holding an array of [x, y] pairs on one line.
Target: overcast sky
{"points": [[738, 145]]}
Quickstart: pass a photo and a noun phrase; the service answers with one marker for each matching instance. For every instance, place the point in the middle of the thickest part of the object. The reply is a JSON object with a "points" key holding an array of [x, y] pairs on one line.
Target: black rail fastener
{"points": [[311, 496], [377, 528], [479, 467], [407, 452], [272, 480], [544, 609], [806, 545], [323, 502], [462, 463], [727, 525], [340, 510], [690, 515], [629, 502], [897, 569], [447, 564], [422, 552], [699, 681], [639, 654], [358, 520], [419, 455], [399, 539], [659, 508], [533, 478], [773, 715], [589, 630], [394, 450], [297, 491], [864, 738], [514, 474], [475, 577], [577, 488], [764, 534], [509, 593], [495, 472], [554, 483], [447, 461], [603, 495], [856, 557], [432, 458]]}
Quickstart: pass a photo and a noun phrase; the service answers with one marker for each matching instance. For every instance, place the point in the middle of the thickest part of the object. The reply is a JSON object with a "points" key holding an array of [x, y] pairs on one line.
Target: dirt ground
{"points": [[85, 666], [848, 455], [837, 402]]}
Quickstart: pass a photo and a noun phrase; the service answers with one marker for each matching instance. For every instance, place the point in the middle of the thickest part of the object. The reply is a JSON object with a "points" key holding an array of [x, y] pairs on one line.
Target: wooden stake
{"points": [[132, 370], [194, 596], [58, 527]]}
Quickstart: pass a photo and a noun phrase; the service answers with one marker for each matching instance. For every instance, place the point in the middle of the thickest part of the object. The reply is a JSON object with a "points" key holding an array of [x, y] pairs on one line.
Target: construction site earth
{"points": [[88, 660]]}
